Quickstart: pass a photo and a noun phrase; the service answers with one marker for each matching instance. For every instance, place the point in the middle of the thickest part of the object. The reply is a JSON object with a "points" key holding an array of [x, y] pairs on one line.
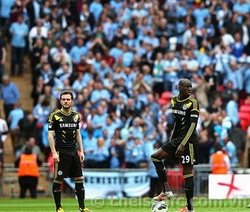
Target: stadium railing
{"points": [[9, 183]]}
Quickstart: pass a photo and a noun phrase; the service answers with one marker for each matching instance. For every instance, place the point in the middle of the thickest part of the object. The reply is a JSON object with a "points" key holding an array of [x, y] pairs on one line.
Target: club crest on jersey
{"points": [[184, 107], [76, 118]]}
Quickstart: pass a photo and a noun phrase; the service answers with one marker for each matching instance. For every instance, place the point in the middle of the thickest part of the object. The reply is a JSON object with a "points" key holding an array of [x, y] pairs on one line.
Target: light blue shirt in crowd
{"points": [[101, 153], [236, 76], [45, 132], [96, 8], [171, 76], [128, 151], [15, 115], [5, 8], [89, 145], [247, 81], [200, 15], [241, 8], [42, 112], [99, 119], [116, 5], [19, 32], [128, 58], [231, 151], [99, 94], [110, 129], [10, 93], [77, 51], [102, 71], [115, 53], [232, 111]]}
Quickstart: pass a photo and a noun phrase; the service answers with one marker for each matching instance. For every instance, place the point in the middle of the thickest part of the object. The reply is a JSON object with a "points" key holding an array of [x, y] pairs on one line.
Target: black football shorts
{"points": [[189, 156], [69, 164]]}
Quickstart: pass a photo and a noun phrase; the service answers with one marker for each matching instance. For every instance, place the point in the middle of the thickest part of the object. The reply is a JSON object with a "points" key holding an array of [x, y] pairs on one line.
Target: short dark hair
{"points": [[67, 92], [218, 147], [28, 150]]}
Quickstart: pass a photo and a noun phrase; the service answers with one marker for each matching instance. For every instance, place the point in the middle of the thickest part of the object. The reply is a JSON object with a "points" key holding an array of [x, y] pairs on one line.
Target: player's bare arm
{"points": [[52, 146], [79, 142]]}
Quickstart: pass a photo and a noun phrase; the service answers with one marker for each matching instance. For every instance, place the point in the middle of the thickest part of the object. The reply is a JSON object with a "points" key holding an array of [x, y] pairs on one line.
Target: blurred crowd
{"points": [[123, 60]]}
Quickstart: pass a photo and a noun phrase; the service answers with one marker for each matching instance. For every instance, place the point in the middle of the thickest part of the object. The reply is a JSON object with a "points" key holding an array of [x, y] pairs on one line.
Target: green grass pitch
{"points": [[121, 205]]}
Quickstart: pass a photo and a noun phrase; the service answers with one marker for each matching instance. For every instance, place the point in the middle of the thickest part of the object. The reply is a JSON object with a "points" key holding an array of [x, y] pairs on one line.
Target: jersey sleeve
{"points": [[77, 119], [194, 115], [51, 122]]}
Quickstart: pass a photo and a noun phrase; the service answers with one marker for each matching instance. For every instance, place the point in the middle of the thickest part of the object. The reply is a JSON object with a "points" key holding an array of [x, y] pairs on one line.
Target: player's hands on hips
{"points": [[82, 156], [56, 158], [180, 150]]}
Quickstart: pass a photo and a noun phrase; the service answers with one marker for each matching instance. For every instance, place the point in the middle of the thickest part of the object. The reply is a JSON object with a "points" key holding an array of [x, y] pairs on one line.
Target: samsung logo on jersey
{"points": [[67, 125], [194, 115], [179, 112]]}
